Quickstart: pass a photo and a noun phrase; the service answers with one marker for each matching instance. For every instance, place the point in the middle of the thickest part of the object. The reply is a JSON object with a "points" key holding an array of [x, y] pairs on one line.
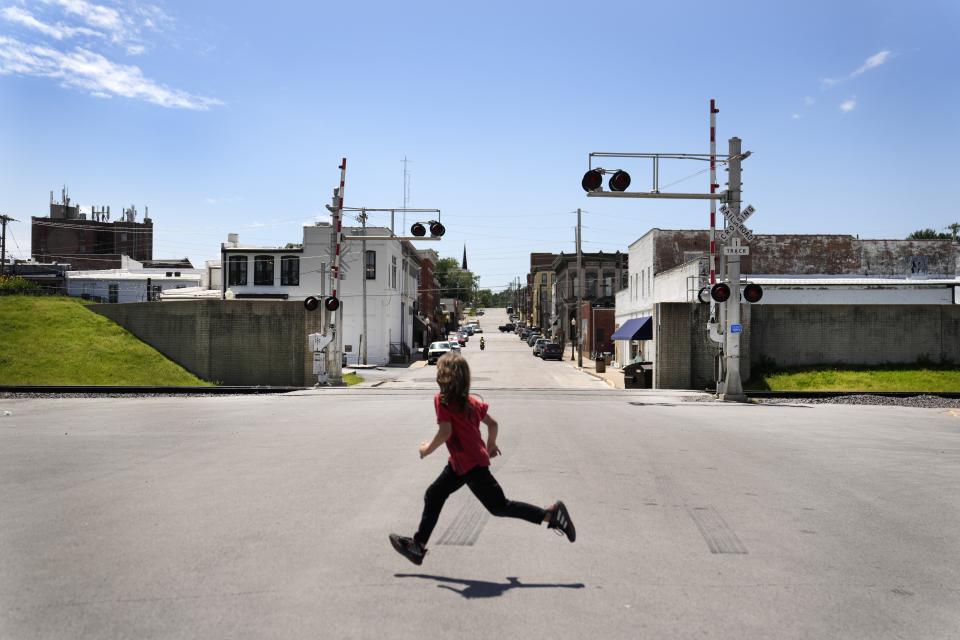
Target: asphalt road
{"points": [[267, 517]]}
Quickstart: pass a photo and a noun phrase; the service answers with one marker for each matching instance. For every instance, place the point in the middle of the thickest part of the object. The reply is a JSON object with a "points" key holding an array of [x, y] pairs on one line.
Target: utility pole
{"points": [[579, 338], [4, 219], [732, 386], [363, 278]]}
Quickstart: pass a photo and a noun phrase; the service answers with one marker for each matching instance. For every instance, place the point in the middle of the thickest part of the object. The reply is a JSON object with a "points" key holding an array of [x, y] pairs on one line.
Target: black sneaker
{"points": [[561, 521], [408, 548]]}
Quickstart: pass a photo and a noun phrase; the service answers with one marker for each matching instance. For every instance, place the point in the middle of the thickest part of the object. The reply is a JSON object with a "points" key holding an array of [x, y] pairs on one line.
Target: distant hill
{"points": [[58, 341]]}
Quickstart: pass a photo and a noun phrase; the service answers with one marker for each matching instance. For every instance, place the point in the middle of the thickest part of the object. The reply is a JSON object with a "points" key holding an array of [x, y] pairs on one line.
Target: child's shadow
{"points": [[484, 589]]}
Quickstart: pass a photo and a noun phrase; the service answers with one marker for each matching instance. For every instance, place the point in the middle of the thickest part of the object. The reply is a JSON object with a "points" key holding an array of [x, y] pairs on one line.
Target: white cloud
{"points": [[93, 14], [848, 105], [809, 101], [872, 62], [89, 71], [56, 31], [795, 116]]}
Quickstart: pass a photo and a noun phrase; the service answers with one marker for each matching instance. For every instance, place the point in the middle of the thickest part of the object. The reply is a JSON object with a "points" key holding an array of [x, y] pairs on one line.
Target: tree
{"points": [[928, 234], [454, 281]]}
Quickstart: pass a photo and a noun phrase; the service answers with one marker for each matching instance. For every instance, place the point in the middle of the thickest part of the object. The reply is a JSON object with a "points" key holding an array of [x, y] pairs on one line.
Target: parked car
{"points": [[477, 329], [551, 351], [437, 349], [454, 346], [507, 327], [532, 339], [480, 312], [539, 344], [468, 329], [524, 334]]}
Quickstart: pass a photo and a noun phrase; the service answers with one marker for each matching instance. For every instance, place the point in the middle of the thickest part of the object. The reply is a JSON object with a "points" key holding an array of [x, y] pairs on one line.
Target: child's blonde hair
{"points": [[453, 376]]}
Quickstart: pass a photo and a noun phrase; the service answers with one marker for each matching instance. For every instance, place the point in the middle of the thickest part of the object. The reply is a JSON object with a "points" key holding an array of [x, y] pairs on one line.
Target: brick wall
{"points": [[819, 254], [685, 354], [233, 342]]}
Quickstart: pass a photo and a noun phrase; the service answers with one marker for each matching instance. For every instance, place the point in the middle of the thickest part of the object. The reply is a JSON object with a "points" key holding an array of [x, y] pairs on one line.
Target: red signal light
{"points": [[619, 181], [720, 292], [311, 304], [418, 230], [752, 293], [592, 180], [437, 229]]}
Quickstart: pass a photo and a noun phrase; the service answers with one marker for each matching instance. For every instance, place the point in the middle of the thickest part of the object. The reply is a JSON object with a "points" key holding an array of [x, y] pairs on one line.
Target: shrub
{"points": [[16, 284]]}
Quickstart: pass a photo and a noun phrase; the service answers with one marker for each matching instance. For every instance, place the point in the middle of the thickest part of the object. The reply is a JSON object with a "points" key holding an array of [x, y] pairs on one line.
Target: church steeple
{"points": [[464, 265]]}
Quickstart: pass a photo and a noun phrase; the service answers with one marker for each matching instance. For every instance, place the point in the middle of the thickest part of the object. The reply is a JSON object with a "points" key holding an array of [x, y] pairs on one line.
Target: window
{"points": [[591, 284], [290, 271], [263, 270], [238, 271], [371, 265], [393, 272], [607, 283], [114, 290]]}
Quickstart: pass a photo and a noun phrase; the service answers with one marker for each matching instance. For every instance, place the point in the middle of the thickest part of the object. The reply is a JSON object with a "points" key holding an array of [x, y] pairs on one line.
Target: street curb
{"points": [[599, 377]]}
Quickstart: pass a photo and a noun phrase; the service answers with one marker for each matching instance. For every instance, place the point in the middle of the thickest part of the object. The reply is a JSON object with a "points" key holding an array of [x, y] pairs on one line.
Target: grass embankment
{"points": [[351, 379], [58, 341], [930, 378]]}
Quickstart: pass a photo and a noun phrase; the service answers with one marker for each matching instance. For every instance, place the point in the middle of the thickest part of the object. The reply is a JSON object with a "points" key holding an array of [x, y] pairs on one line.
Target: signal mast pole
{"points": [[334, 357], [732, 386]]}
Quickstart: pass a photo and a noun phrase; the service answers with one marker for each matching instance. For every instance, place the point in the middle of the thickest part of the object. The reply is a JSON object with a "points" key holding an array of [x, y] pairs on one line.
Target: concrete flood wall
{"points": [[802, 335], [799, 335], [232, 342]]}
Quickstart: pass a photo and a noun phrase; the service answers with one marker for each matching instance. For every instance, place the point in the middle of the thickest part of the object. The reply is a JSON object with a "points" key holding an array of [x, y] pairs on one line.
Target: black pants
{"points": [[484, 486]]}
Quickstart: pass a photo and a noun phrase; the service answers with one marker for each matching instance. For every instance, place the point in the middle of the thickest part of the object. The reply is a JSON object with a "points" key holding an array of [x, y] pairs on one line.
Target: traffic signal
{"points": [[704, 294], [720, 292], [592, 180], [437, 229], [311, 303], [418, 230], [619, 181], [752, 293], [331, 303]]}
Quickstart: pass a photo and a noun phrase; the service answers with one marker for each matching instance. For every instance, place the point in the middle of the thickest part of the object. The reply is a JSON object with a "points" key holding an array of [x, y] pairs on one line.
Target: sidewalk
{"points": [[613, 377]]}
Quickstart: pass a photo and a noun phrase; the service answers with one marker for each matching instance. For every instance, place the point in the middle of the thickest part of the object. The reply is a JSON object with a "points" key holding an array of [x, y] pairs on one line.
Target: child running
{"points": [[458, 425]]}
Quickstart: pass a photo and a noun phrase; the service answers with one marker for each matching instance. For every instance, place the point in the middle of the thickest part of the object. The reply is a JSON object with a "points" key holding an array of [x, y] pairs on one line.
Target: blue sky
{"points": [[232, 117]]}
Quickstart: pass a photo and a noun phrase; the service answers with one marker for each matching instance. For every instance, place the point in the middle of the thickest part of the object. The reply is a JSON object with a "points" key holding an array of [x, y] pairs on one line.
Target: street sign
{"points": [[736, 251], [736, 328]]}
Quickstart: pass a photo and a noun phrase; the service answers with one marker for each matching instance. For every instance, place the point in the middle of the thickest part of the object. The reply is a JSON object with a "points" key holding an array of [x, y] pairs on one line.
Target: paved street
{"points": [[267, 517]]}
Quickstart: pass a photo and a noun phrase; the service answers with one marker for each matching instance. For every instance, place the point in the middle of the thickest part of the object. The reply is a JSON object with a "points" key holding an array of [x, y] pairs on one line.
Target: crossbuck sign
{"points": [[735, 224]]}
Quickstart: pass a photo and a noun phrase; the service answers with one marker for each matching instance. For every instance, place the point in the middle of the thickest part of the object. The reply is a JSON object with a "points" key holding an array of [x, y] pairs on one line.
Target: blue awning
{"points": [[635, 329]]}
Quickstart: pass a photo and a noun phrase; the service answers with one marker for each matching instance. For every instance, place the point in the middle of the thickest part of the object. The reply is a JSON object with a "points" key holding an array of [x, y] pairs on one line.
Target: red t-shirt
{"points": [[465, 444]]}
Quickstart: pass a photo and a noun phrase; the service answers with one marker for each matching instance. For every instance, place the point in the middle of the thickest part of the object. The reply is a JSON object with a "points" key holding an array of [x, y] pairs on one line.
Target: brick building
{"points": [[67, 235]]}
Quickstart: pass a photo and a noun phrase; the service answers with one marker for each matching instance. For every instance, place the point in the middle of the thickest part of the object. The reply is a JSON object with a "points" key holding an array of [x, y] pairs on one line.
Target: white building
{"points": [[382, 272], [131, 282]]}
